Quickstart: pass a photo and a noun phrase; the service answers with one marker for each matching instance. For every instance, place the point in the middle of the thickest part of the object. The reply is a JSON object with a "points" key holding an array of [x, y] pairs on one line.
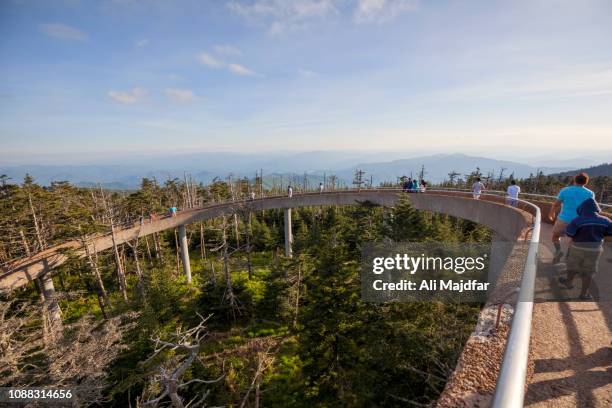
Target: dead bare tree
{"points": [[246, 214], [229, 290], [224, 253], [264, 360], [202, 242], [139, 275], [17, 341], [103, 298], [186, 346], [82, 357], [235, 215], [120, 272], [79, 358]]}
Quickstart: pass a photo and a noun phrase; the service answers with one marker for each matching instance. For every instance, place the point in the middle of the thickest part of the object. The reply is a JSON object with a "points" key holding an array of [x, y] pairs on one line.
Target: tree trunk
{"points": [[297, 297], [157, 247], [93, 263], [24, 241], [176, 247], [202, 242], [148, 248], [120, 271], [141, 286], [36, 227], [248, 246], [229, 291], [236, 230], [212, 273]]}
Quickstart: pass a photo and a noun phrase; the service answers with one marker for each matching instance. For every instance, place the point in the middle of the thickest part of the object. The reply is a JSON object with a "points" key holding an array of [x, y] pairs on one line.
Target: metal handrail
{"points": [[500, 192], [510, 387]]}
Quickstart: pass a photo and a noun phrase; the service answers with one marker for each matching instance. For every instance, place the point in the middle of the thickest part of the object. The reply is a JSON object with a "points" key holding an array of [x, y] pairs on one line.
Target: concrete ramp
{"points": [[570, 349]]}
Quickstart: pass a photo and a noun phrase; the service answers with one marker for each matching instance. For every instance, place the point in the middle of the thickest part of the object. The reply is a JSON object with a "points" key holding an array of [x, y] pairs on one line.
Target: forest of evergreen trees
{"points": [[254, 328]]}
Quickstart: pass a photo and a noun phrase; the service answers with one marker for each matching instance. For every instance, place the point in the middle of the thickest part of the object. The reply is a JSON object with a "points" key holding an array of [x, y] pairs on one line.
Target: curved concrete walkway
{"points": [[570, 347], [508, 222]]}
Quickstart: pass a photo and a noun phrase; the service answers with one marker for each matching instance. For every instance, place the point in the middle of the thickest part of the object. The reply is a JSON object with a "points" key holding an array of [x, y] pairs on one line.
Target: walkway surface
{"points": [[570, 346]]}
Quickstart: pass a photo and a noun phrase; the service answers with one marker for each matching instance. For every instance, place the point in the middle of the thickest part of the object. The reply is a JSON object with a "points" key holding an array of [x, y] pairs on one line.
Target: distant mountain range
{"points": [[604, 169], [437, 167], [204, 167]]}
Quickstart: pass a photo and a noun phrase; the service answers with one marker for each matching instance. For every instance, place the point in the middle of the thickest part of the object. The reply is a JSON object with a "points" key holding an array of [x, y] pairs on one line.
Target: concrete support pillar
{"points": [[54, 313], [288, 234], [182, 233]]}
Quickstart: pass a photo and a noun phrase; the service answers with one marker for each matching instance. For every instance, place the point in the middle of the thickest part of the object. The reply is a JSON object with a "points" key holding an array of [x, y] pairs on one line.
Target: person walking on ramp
{"points": [[477, 188], [588, 232], [513, 193], [568, 200]]}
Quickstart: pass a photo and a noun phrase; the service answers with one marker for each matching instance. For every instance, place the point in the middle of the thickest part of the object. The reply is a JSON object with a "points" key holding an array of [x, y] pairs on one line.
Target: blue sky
{"points": [[518, 77]]}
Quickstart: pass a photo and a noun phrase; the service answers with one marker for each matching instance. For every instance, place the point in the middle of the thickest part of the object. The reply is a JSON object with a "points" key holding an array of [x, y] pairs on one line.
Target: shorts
{"points": [[583, 262], [559, 228]]}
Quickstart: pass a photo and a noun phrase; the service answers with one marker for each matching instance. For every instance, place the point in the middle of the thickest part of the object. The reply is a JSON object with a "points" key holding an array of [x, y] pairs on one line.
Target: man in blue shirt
{"points": [[568, 201], [588, 232]]}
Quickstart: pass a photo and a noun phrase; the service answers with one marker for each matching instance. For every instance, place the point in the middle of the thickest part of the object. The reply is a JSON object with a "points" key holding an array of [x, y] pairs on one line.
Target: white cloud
{"points": [[210, 61], [180, 95], [227, 50], [63, 32], [380, 11], [283, 15], [128, 97], [142, 43], [240, 70]]}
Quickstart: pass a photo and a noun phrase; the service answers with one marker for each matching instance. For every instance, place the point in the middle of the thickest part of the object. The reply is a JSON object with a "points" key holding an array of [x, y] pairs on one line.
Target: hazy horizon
{"points": [[586, 157], [127, 171]]}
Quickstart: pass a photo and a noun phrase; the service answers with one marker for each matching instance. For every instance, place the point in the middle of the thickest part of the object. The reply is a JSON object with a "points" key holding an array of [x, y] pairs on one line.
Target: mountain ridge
{"points": [[204, 168]]}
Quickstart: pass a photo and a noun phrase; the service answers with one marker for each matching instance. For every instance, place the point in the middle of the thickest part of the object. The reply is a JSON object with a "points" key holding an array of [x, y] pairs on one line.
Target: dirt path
{"points": [[571, 351]]}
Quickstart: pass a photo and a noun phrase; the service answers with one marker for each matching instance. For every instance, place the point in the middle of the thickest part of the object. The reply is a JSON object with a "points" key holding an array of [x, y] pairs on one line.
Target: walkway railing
{"points": [[510, 386]]}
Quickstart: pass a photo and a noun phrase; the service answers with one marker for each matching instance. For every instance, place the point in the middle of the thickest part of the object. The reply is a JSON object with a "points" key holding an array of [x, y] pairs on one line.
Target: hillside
{"points": [[604, 169]]}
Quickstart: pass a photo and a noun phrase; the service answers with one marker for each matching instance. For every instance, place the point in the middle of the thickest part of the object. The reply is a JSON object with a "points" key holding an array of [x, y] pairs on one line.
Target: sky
{"points": [[516, 78]]}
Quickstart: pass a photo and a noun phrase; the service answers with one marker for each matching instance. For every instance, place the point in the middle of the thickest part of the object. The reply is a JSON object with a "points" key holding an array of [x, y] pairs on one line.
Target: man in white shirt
{"points": [[320, 187], [477, 188], [513, 193], [289, 191]]}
